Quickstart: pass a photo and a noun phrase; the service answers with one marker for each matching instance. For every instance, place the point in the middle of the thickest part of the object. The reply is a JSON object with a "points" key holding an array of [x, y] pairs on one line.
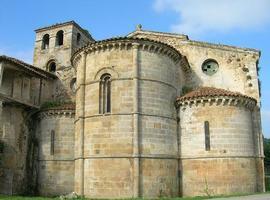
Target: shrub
{"points": [[1, 146], [186, 89]]}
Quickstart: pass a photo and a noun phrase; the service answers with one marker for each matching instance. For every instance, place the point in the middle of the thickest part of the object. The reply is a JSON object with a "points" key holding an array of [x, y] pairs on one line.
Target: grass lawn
{"points": [[184, 198], [47, 198]]}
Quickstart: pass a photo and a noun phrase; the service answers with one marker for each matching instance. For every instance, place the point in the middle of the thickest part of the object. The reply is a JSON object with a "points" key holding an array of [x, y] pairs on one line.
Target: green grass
{"points": [[25, 198], [178, 198], [56, 198], [267, 182]]}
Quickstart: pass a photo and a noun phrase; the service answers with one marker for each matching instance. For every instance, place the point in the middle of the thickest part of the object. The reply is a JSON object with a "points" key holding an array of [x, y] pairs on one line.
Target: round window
{"points": [[210, 67]]}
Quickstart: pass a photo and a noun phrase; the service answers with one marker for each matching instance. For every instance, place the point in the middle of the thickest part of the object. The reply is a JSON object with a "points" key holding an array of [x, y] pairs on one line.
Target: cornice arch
{"points": [[106, 70]]}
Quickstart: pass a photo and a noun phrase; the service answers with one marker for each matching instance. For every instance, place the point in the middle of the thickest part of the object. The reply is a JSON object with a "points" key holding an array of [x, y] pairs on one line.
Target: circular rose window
{"points": [[210, 67]]}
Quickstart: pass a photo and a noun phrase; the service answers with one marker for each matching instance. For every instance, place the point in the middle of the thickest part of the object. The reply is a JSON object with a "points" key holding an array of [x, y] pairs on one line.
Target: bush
{"points": [[267, 183], [52, 104], [1, 146], [186, 89]]}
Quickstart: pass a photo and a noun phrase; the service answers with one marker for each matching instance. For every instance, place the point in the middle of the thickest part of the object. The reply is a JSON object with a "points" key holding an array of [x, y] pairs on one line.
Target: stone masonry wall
{"points": [[111, 168], [237, 66], [56, 170], [230, 166], [61, 55], [158, 88], [14, 134]]}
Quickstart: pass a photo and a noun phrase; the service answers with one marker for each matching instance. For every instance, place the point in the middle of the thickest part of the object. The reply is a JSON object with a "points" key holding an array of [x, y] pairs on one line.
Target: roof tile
{"points": [[27, 66], [211, 92]]}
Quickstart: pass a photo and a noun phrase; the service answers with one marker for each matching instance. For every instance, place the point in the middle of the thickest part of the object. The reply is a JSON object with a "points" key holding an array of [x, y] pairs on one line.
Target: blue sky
{"points": [[244, 23]]}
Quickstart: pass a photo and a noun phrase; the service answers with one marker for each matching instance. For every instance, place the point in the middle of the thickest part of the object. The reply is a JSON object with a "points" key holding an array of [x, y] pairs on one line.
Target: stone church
{"points": [[150, 114]]}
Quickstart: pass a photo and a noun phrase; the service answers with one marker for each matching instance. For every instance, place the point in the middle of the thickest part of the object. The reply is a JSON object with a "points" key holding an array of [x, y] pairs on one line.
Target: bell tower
{"points": [[54, 47]]}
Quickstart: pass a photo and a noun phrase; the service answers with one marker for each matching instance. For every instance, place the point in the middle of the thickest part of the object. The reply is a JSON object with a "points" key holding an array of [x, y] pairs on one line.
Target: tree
{"points": [[266, 143]]}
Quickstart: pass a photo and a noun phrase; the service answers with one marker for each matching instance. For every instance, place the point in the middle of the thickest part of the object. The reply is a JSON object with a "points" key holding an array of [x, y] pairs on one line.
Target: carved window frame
{"points": [[207, 136], [52, 142], [45, 42], [105, 94]]}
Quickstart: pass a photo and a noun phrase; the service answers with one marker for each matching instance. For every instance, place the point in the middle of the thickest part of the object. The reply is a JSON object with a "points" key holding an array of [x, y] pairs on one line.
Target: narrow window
{"points": [[207, 135], [59, 38], [105, 94], [52, 67], [45, 41], [52, 142], [78, 38]]}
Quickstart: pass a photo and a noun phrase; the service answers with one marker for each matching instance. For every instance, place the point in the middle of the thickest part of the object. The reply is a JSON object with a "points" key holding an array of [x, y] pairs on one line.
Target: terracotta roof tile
{"points": [[211, 92]]}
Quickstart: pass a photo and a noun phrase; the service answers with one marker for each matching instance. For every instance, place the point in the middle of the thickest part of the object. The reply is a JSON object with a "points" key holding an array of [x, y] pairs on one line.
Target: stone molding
{"points": [[127, 79], [219, 157], [56, 113], [104, 70], [161, 156], [131, 113], [157, 33], [124, 43], [218, 101], [223, 47], [184, 39]]}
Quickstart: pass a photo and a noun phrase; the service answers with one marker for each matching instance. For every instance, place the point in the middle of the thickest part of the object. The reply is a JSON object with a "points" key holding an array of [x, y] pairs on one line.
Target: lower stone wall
{"points": [[55, 177], [159, 178], [14, 135], [56, 152], [108, 177], [114, 177], [218, 176]]}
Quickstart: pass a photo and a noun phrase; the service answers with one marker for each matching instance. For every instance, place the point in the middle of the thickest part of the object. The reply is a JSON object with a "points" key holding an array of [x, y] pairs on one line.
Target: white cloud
{"points": [[24, 55], [200, 16]]}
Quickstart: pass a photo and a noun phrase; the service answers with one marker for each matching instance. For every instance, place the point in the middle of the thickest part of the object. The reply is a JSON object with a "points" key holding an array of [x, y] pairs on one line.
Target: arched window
{"points": [[52, 142], [105, 94], [207, 135], [51, 66], [59, 38], [78, 39], [45, 41]]}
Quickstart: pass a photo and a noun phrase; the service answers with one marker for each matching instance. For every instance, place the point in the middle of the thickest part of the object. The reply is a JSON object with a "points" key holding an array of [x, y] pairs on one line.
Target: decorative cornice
{"points": [[157, 33], [128, 43], [215, 96], [223, 47], [218, 101], [185, 64], [56, 113], [184, 39], [67, 110]]}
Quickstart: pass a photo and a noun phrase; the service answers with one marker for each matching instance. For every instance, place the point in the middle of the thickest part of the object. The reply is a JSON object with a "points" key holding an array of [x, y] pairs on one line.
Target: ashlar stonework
{"points": [[150, 114]]}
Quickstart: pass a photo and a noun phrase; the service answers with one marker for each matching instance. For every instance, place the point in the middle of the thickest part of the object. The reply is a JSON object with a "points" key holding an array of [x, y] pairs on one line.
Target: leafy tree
{"points": [[266, 142], [266, 147]]}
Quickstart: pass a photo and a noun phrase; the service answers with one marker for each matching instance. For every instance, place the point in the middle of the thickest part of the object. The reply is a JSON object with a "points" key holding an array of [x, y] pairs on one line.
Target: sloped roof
{"points": [[211, 92], [27, 67], [194, 42]]}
